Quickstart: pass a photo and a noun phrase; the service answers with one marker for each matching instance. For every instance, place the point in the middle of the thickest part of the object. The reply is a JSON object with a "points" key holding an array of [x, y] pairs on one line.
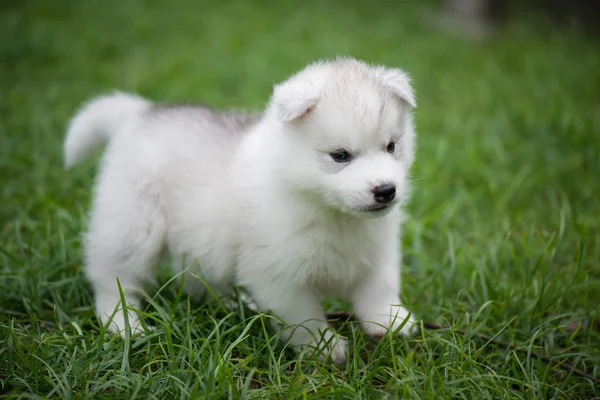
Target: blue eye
{"points": [[340, 155], [391, 147]]}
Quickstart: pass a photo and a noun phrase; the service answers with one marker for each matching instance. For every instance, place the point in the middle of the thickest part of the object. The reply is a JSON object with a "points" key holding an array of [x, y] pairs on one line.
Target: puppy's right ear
{"points": [[398, 82], [292, 100]]}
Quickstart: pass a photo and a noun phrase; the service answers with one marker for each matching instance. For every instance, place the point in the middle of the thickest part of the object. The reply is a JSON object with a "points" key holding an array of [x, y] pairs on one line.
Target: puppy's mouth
{"points": [[377, 208]]}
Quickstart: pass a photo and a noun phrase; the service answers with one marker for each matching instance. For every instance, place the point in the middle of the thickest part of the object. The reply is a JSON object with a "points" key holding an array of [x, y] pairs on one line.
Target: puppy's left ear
{"points": [[292, 100], [398, 82]]}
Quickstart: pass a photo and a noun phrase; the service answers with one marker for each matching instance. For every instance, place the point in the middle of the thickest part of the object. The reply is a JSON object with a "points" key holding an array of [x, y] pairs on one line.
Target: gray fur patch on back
{"points": [[230, 120]]}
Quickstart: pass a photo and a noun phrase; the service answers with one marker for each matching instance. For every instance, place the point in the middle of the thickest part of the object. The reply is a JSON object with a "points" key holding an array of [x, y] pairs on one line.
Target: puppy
{"points": [[297, 204]]}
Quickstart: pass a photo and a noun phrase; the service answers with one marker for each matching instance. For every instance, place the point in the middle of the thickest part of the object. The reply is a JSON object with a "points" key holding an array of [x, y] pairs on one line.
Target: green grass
{"points": [[503, 237]]}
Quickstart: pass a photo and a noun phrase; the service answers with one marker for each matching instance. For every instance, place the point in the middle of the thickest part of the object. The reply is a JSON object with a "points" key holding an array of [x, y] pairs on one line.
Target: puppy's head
{"points": [[349, 137]]}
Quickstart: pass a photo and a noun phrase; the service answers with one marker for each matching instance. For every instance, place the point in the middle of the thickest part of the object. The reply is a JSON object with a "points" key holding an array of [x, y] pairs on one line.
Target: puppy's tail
{"points": [[98, 121]]}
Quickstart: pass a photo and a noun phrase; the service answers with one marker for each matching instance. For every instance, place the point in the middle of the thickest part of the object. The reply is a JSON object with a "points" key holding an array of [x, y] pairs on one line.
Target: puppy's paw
{"points": [[337, 350], [332, 347], [117, 325], [246, 299], [398, 321]]}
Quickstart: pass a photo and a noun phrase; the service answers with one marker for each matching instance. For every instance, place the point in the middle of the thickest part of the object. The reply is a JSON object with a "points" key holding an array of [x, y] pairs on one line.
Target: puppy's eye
{"points": [[391, 147], [340, 155]]}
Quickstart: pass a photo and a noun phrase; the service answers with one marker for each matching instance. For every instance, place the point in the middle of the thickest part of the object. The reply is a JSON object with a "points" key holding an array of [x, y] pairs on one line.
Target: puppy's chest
{"points": [[335, 256]]}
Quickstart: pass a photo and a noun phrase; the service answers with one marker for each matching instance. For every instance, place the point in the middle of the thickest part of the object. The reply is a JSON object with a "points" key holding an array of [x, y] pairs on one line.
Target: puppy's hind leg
{"points": [[124, 242]]}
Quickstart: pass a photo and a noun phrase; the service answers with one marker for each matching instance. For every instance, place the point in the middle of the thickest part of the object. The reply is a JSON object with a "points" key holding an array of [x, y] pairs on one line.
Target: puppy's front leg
{"points": [[377, 302], [301, 310]]}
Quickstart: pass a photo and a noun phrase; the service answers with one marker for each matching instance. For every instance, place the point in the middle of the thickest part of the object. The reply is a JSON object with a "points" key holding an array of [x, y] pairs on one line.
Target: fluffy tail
{"points": [[97, 122]]}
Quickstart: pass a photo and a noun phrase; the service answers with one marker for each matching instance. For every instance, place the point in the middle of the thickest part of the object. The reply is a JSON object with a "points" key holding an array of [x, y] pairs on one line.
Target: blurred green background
{"points": [[504, 229]]}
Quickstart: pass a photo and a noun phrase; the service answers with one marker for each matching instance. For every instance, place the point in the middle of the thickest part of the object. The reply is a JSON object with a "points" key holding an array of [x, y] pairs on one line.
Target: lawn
{"points": [[503, 238]]}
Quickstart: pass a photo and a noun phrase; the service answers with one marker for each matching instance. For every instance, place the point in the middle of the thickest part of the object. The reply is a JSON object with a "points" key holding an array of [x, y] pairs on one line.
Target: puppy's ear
{"points": [[292, 100], [398, 83]]}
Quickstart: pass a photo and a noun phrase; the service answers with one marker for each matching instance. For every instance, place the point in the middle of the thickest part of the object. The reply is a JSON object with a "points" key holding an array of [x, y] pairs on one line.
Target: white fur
{"points": [[268, 209], [97, 122]]}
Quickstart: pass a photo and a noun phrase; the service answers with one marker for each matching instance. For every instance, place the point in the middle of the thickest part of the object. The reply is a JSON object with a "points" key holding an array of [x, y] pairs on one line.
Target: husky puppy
{"points": [[297, 204]]}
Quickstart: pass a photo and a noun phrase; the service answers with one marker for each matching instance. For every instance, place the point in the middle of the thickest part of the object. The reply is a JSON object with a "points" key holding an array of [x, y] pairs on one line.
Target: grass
{"points": [[503, 237]]}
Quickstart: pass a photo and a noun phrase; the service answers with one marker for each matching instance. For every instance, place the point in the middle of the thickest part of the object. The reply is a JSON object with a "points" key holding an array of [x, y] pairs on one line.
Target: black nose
{"points": [[384, 193]]}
